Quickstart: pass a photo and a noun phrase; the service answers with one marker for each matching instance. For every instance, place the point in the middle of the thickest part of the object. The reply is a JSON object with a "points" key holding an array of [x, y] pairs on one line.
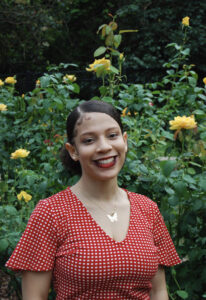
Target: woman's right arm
{"points": [[36, 285]]}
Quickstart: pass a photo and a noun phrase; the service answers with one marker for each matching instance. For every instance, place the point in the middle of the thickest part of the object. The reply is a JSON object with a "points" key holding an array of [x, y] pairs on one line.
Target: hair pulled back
{"points": [[73, 117]]}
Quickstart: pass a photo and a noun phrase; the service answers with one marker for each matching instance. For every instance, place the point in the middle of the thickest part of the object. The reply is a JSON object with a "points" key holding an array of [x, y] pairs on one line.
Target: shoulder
{"points": [[141, 200], [55, 205], [144, 205], [61, 198]]}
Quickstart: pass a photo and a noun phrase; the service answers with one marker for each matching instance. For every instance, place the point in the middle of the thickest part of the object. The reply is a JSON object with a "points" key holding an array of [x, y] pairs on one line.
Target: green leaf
{"points": [[182, 294], [100, 27], [50, 90], [76, 88], [128, 30], [11, 210], [171, 45], [108, 30], [180, 188], [143, 169], [107, 99], [195, 164], [197, 205], [191, 171], [103, 90], [114, 52], [99, 51], [186, 51], [168, 135], [203, 97], [114, 70], [202, 184], [192, 81], [31, 179], [3, 245], [167, 167], [199, 112], [45, 80], [169, 190], [189, 179], [42, 186], [117, 40], [173, 200]]}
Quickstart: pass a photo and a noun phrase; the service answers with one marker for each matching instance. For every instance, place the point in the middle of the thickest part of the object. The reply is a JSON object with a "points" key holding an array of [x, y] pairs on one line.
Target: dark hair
{"points": [[74, 116]]}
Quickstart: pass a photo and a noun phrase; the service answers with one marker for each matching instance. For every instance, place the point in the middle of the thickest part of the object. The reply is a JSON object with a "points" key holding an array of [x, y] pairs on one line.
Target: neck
{"points": [[103, 190]]}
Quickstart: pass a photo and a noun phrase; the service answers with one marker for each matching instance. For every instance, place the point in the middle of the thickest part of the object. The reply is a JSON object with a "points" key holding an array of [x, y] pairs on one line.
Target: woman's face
{"points": [[99, 146]]}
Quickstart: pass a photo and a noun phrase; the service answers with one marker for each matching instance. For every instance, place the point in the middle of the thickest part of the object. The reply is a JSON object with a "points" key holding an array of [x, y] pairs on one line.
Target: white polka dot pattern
{"points": [[88, 264]]}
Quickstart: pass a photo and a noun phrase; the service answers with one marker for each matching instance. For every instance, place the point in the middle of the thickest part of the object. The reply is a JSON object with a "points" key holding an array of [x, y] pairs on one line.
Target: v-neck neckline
{"points": [[89, 216]]}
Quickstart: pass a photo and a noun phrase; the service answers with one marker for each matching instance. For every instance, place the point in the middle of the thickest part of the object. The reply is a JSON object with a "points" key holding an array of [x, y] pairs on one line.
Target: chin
{"points": [[107, 176]]}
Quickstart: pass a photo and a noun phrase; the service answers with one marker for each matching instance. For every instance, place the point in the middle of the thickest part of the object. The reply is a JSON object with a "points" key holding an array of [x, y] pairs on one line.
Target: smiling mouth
{"points": [[106, 162]]}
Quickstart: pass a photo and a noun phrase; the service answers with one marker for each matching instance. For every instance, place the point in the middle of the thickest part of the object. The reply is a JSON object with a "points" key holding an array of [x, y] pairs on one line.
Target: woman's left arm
{"points": [[159, 288]]}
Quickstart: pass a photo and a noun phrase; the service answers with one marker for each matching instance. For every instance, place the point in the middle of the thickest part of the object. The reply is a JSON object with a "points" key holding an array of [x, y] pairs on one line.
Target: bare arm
{"points": [[35, 285], [159, 288]]}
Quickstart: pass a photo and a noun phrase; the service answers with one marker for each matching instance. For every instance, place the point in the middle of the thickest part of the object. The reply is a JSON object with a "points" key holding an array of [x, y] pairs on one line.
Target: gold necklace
{"points": [[113, 217]]}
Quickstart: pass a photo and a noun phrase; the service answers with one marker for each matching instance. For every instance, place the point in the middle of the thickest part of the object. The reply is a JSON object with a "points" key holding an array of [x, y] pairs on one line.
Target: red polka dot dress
{"points": [[87, 263]]}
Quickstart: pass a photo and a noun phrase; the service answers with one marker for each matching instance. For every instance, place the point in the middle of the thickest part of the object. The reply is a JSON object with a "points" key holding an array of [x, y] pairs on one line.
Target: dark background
{"points": [[36, 34]]}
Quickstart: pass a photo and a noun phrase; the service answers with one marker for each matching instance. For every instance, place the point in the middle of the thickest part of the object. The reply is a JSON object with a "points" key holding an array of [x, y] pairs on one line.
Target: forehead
{"points": [[95, 122]]}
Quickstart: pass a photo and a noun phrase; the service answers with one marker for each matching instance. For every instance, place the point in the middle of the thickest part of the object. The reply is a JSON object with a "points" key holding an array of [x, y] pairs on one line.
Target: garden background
{"points": [[148, 59]]}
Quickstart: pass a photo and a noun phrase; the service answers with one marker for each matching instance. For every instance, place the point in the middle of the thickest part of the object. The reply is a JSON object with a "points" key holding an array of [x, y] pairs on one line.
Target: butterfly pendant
{"points": [[113, 217]]}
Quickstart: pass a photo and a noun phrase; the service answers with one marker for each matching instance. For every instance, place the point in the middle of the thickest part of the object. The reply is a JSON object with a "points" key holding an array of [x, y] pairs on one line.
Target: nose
{"points": [[103, 145]]}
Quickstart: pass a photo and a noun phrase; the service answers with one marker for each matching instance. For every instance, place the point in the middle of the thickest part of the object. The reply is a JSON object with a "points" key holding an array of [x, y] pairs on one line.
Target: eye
{"points": [[88, 140], [113, 135]]}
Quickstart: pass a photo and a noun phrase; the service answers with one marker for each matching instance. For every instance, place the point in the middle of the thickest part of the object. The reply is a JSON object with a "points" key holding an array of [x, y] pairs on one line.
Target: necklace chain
{"points": [[113, 217]]}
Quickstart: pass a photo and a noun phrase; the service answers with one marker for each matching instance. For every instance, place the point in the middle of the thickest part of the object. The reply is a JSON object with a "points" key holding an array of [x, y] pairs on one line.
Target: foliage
{"points": [[169, 169], [157, 23], [37, 33]]}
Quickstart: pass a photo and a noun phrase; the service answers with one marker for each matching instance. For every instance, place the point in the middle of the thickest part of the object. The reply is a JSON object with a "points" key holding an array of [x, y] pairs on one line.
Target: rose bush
{"points": [[170, 170]]}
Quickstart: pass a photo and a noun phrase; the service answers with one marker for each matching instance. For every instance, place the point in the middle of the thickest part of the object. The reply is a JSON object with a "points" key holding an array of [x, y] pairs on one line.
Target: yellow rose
{"points": [[1, 82], [127, 114], [23, 195], [44, 125], [20, 153], [121, 56], [38, 83], [183, 123], [124, 112], [10, 80], [3, 107], [102, 63], [71, 78], [186, 21], [204, 80]]}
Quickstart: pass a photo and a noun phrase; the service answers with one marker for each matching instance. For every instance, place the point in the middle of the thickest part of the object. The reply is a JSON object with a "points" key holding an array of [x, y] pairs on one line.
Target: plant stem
{"points": [[183, 144]]}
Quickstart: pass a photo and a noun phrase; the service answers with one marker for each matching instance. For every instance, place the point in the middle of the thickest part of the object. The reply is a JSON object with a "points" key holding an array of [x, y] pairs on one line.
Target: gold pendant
{"points": [[113, 217]]}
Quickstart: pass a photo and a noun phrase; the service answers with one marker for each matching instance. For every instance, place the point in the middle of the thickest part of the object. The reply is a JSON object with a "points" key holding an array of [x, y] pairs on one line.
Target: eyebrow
{"points": [[92, 132]]}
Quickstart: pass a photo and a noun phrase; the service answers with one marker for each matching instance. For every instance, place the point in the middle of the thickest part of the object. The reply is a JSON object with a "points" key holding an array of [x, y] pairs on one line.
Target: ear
{"points": [[72, 151], [125, 140]]}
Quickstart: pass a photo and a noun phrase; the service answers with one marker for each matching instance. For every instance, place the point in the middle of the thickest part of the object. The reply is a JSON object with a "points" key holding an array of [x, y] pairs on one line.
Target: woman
{"points": [[95, 240]]}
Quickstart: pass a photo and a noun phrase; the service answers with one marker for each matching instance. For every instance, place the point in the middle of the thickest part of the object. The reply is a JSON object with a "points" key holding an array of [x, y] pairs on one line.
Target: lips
{"points": [[106, 162]]}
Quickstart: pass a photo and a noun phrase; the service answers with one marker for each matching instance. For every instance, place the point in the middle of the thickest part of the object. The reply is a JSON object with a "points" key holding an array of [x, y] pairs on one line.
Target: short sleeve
{"points": [[166, 250], [37, 247]]}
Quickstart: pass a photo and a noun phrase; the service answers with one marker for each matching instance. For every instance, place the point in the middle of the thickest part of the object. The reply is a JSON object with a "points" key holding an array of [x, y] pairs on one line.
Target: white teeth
{"points": [[106, 161]]}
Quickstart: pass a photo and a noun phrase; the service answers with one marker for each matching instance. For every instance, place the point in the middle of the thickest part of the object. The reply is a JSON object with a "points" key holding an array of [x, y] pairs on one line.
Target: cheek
{"points": [[123, 146], [85, 152]]}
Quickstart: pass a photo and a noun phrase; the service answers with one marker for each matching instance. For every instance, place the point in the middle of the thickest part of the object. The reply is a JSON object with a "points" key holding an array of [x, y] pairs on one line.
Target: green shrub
{"points": [[168, 167]]}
